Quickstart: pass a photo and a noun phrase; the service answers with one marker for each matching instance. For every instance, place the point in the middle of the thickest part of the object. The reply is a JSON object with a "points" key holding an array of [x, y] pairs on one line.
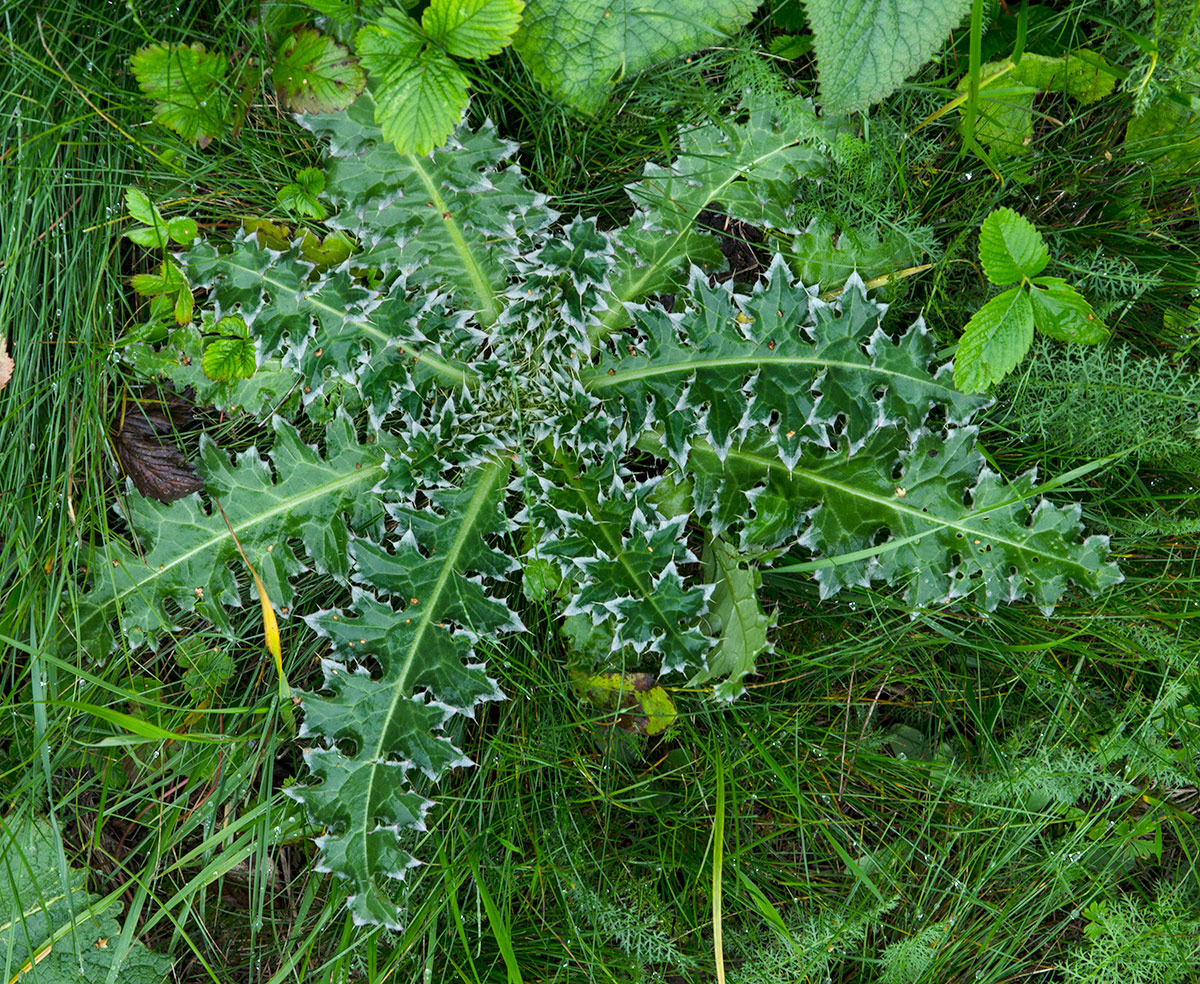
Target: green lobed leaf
{"points": [[188, 86], [420, 94], [226, 359], [314, 74], [55, 931], [186, 554], [578, 49], [867, 48], [1011, 248], [472, 28], [1062, 313], [458, 220], [994, 341], [736, 619], [378, 730]]}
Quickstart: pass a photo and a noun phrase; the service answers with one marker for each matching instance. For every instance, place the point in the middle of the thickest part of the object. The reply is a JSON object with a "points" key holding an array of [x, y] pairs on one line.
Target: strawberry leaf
{"points": [[315, 74]]}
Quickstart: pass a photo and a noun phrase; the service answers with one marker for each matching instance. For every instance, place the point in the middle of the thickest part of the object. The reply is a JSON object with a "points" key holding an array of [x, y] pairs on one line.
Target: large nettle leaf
{"points": [[538, 416]]}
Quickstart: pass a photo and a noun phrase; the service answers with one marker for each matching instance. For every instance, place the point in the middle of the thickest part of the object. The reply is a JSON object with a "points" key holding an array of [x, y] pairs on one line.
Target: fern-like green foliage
{"points": [[531, 408], [1092, 402]]}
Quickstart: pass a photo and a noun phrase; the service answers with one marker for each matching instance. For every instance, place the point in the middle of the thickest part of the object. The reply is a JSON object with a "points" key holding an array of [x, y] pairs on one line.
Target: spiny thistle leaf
{"points": [[187, 555], [377, 730]]}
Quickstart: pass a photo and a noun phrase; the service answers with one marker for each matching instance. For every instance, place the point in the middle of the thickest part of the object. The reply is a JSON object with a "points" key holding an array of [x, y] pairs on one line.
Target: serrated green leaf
{"points": [[55, 931], [578, 49], [297, 198], [188, 86], [385, 725], [1010, 247], [187, 554], [994, 341], [420, 93], [458, 219], [867, 48], [736, 618], [472, 28], [314, 74], [229, 358], [1062, 313]]}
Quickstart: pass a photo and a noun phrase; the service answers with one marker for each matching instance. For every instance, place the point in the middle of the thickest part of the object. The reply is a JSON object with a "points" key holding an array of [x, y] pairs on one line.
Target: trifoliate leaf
{"points": [[301, 195], [994, 341], [420, 93], [1010, 247], [867, 48], [579, 49], [472, 28], [229, 358], [187, 84], [1062, 313], [315, 74]]}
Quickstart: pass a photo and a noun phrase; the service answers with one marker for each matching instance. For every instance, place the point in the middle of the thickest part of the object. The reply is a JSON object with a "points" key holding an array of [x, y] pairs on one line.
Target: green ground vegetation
{"points": [[943, 794]]}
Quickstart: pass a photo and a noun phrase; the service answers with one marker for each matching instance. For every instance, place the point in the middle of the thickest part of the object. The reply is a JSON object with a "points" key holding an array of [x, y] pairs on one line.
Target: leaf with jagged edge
{"points": [[714, 162], [457, 220], [778, 359], [625, 562], [395, 350], [314, 74], [736, 618], [894, 512], [378, 727], [187, 554]]}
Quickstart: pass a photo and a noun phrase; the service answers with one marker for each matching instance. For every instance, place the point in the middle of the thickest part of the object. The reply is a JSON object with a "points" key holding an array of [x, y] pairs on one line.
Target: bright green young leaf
{"points": [[867, 48], [155, 230], [171, 285], [1010, 247], [472, 28], [579, 49], [182, 230], [315, 74], [994, 341], [226, 359], [55, 931], [188, 86], [301, 196], [420, 93], [1061, 312]]}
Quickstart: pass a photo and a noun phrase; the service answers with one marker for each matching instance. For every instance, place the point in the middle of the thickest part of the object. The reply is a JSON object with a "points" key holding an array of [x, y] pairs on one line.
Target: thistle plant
{"points": [[510, 406]]}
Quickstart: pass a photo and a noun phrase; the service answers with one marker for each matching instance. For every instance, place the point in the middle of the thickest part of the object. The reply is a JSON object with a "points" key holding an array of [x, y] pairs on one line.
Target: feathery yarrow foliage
{"points": [[534, 413]]}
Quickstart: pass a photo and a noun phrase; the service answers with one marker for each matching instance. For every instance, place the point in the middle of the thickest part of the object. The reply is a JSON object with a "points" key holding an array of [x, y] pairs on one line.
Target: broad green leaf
{"points": [[578, 49], [420, 94], [1010, 247], [472, 28], [314, 74], [1061, 312], [1004, 121], [994, 341], [380, 731], [736, 618], [189, 89], [55, 931], [186, 555], [182, 230], [229, 358], [867, 48]]}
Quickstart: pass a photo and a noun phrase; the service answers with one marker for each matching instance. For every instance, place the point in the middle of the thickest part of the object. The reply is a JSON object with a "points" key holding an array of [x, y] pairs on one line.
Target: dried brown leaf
{"points": [[145, 445]]}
